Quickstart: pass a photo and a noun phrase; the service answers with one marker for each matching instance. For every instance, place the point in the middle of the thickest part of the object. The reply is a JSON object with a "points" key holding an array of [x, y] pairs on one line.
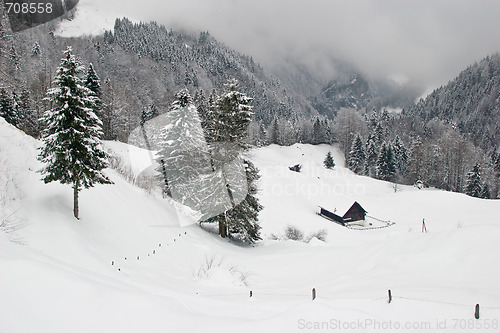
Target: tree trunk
{"points": [[223, 227], [76, 209]]}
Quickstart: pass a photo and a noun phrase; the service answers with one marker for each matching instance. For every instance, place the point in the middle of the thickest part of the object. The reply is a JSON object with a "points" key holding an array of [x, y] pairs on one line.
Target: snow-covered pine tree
{"points": [[416, 161], [328, 162], [149, 113], [71, 149], [93, 82], [400, 155], [319, 132], [28, 116], [357, 156], [485, 192], [35, 50], [386, 167], [274, 133], [7, 107], [371, 157], [232, 114], [243, 220], [473, 185], [16, 119], [183, 156]]}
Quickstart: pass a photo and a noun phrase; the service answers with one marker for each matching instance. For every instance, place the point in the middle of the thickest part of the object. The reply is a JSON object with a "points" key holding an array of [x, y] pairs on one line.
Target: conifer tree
{"points": [[357, 156], [371, 157], [242, 220], [328, 162], [386, 167], [400, 155], [232, 114], [473, 185], [415, 163], [183, 156], [35, 50], [6, 108], [274, 133], [16, 118], [93, 82], [72, 151], [485, 192]]}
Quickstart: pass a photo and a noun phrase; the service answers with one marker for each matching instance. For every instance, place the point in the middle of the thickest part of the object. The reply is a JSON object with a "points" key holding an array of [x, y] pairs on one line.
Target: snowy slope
{"points": [[59, 276], [93, 17]]}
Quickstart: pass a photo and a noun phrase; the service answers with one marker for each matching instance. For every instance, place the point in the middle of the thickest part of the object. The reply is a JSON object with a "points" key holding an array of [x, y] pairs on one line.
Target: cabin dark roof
{"points": [[331, 216], [355, 213]]}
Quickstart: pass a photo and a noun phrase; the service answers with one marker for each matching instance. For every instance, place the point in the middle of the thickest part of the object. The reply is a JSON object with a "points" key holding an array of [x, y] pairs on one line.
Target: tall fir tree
{"points": [[71, 150], [371, 157], [183, 156], [400, 156], [328, 162], [415, 167], [7, 108], [93, 83], [473, 185], [243, 219], [274, 133], [357, 156], [386, 167], [232, 114]]}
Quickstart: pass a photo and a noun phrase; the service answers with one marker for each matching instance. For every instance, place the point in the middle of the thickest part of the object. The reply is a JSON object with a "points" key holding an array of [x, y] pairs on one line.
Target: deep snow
{"points": [[64, 275]]}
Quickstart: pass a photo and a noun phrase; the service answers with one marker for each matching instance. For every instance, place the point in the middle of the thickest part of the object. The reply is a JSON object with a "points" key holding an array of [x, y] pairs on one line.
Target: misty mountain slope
{"points": [[342, 86], [144, 64], [62, 279], [470, 102]]}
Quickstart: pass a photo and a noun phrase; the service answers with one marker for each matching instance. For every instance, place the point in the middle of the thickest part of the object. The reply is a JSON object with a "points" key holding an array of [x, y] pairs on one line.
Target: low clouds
{"points": [[427, 41]]}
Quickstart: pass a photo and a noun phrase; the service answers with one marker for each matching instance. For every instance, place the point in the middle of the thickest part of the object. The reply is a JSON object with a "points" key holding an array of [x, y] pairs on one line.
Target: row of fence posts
{"points": [[154, 251], [389, 293]]}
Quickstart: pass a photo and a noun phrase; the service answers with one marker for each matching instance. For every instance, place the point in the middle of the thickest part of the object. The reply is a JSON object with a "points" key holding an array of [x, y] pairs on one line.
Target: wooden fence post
{"points": [[476, 314], [390, 296], [314, 294]]}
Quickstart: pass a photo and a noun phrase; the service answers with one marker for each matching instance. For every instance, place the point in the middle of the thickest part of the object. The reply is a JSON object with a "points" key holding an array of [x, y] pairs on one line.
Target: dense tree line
{"points": [[440, 157]]}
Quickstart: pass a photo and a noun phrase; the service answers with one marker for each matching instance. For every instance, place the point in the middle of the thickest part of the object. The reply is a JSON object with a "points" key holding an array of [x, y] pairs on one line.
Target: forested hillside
{"points": [[449, 140], [141, 66], [471, 103]]}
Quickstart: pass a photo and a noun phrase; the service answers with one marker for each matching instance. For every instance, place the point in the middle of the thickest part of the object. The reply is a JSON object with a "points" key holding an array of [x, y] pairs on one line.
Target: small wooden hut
{"points": [[354, 216]]}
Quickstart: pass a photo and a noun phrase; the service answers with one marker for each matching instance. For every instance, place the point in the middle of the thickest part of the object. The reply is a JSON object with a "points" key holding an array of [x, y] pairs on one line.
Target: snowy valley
{"points": [[136, 262]]}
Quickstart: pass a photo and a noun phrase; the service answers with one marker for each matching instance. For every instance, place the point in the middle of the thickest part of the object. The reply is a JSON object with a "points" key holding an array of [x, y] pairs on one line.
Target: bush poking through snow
{"points": [[213, 268], [205, 270], [295, 234], [320, 234]]}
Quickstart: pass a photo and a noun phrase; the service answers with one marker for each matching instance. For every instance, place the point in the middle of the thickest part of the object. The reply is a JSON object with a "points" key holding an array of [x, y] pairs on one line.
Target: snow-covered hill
{"points": [[137, 263]]}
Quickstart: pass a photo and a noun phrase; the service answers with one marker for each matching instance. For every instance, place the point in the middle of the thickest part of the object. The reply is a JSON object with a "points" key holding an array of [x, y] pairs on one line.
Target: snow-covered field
{"points": [[137, 263]]}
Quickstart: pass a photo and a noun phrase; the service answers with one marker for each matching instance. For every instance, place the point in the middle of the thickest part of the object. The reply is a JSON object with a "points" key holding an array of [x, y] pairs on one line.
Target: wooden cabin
{"points": [[354, 216]]}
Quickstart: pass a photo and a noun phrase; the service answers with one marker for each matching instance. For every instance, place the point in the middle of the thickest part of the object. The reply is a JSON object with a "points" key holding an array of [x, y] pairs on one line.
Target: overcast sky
{"points": [[426, 40]]}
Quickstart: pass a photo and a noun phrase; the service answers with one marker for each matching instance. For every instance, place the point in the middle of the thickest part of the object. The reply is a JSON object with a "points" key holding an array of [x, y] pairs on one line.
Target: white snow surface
{"points": [[108, 273]]}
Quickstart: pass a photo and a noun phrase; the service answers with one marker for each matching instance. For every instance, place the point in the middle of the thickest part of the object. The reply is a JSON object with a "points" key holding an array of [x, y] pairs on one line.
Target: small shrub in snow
{"points": [[294, 233], [320, 234], [207, 267]]}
